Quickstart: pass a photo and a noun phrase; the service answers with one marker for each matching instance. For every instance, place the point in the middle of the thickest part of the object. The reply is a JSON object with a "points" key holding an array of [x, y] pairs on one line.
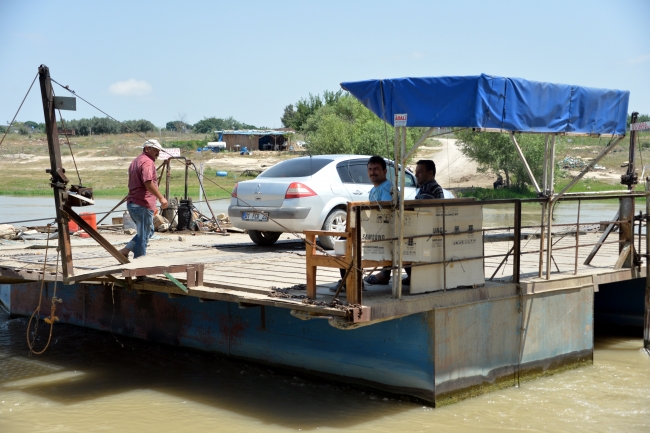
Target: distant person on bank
{"points": [[141, 201], [428, 188]]}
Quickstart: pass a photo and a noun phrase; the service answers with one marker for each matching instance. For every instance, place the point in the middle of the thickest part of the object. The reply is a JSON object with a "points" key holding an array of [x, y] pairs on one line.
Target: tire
{"points": [[264, 238], [335, 221]]}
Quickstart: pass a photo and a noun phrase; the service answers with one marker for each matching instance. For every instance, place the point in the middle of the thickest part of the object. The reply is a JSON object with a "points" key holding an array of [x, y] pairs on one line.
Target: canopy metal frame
{"points": [[547, 190]]}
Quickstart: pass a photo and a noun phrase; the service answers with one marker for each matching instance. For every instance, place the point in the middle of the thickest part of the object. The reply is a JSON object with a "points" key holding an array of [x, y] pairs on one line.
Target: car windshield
{"points": [[298, 167]]}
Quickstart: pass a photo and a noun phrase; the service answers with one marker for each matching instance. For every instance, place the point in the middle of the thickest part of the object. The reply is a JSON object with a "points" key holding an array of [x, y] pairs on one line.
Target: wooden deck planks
{"points": [[245, 273]]}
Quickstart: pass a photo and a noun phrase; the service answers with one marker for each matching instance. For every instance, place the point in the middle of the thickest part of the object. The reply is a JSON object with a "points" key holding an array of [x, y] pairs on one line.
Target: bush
{"points": [[347, 127]]}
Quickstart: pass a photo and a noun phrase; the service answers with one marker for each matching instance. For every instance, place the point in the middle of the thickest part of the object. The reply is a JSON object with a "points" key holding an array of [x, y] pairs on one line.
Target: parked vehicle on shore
{"points": [[306, 193]]}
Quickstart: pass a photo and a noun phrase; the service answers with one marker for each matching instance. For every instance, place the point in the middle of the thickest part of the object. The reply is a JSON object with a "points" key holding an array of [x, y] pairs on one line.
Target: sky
{"points": [[164, 61]]}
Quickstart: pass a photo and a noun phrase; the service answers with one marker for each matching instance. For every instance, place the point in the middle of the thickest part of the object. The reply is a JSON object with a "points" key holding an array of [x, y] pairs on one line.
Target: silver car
{"points": [[306, 193]]}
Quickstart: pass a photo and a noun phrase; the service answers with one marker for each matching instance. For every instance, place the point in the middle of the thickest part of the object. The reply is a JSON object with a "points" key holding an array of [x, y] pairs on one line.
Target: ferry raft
{"points": [[488, 307]]}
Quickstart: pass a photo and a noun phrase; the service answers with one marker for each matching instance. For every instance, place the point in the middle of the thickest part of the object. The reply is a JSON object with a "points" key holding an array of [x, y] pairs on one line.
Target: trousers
{"points": [[143, 219]]}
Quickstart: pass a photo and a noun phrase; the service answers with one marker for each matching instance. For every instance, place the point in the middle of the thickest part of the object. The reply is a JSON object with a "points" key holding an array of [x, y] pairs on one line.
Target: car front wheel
{"points": [[264, 238], [336, 221]]}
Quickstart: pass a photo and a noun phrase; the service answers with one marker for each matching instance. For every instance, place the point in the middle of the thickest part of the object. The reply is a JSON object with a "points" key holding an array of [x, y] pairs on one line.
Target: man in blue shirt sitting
{"points": [[377, 174], [381, 191]]}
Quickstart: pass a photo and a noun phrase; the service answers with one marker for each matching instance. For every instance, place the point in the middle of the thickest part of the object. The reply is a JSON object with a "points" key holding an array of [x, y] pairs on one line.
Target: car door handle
{"points": [[357, 192]]}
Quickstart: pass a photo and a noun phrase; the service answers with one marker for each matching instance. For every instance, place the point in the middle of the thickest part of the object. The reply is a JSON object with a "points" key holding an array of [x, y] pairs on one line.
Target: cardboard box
{"points": [[463, 251], [378, 224], [461, 273], [375, 226]]}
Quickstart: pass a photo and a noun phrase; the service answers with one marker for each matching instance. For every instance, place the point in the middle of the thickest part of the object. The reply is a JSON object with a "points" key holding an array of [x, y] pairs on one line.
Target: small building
{"points": [[256, 139]]}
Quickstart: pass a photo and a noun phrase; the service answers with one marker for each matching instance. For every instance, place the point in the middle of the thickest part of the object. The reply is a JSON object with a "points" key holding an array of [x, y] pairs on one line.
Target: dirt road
{"points": [[454, 170]]}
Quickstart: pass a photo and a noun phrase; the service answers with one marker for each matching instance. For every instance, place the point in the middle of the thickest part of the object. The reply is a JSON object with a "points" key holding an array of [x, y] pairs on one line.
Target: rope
{"points": [[18, 111], [52, 317]]}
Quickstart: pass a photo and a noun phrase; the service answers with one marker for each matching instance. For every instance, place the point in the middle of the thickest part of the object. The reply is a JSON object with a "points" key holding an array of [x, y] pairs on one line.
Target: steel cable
{"points": [[18, 111]]}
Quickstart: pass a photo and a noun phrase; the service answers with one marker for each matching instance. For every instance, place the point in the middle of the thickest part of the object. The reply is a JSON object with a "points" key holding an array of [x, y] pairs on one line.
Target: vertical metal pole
{"points": [[639, 246], [357, 253], [402, 174], [201, 189], [542, 228], [545, 174], [549, 238], [551, 161], [575, 266], [444, 250], [646, 319], [395, 211], [168, 177], [516, 265], [59, 180], [187, 165]]}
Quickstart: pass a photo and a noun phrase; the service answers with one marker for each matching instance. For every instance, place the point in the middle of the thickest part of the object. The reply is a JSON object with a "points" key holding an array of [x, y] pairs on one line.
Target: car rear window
{"points": [[298, 167]]}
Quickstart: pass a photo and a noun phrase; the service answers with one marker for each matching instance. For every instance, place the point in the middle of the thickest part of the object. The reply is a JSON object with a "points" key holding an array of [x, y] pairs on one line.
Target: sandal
{"points": [[372, 279]]}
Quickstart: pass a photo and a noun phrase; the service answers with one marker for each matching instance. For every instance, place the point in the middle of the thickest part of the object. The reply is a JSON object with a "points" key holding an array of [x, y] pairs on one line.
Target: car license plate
{"points": [[254, 216]]}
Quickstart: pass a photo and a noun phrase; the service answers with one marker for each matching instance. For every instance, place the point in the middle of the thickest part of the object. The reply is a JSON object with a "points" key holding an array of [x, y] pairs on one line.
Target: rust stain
{"points": [[231, 329]]}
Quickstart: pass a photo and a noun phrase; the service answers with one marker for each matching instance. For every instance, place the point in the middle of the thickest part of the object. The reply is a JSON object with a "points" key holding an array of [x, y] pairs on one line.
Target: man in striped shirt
{"points": [[425, 174]]}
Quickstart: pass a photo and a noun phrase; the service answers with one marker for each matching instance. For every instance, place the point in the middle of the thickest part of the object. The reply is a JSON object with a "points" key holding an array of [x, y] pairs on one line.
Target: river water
{"points": [[90, 381]]}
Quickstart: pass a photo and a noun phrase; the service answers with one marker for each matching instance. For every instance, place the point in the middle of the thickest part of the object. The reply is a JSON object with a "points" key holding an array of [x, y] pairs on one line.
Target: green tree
{"points": [[211, 124], [347, 127], [297, 117], [495, 153], [288, 116]]}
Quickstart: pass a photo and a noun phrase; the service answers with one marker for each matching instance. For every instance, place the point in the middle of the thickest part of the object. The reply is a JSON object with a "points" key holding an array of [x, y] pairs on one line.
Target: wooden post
{"points": [[311, 269], [59, 179], [626, 230]]}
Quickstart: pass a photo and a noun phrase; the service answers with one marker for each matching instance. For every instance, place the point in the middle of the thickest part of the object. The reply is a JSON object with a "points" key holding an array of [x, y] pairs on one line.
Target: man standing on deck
{"points": [[425, 175], [141, 201]]}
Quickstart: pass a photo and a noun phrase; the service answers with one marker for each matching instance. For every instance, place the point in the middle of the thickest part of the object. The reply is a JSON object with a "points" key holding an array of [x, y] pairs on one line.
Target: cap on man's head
{"points": [[152, 143]]}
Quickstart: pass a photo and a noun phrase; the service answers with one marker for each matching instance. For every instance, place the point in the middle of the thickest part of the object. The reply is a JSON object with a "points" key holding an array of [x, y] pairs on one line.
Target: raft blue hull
{"points": [[437, 356]]}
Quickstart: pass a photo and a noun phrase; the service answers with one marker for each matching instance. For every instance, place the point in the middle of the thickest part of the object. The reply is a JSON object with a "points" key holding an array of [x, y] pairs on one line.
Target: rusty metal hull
{"points": [[439, 356]]}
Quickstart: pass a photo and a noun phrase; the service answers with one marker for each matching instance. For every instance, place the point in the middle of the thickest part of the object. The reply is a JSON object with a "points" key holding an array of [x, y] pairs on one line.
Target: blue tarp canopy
{"points": [[486, 101]]}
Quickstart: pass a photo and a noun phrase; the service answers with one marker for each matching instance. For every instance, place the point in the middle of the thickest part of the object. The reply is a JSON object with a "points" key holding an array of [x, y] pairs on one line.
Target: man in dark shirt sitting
{"points": [[425, 174]]}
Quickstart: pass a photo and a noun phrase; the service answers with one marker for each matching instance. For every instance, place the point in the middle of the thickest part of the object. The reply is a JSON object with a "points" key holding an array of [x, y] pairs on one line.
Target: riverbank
{"points": [[103, 161]]}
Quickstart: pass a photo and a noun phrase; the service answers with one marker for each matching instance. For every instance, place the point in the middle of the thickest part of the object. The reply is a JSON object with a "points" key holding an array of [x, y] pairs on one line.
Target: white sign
{"points": [[399, 119], [641, 126], [167, 153]]}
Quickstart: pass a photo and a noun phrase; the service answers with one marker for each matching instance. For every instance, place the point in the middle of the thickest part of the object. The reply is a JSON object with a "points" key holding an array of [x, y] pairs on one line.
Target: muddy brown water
{"points": [[89, 381]]}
